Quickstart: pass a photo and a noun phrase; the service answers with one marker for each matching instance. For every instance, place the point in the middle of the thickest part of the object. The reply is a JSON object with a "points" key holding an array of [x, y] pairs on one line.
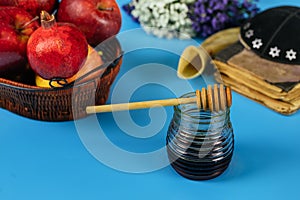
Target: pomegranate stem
{"points": [[47, 20]]}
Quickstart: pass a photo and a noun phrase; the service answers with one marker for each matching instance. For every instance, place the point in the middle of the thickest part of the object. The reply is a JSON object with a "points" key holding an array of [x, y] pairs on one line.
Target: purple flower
{"points": [[210, 16]]}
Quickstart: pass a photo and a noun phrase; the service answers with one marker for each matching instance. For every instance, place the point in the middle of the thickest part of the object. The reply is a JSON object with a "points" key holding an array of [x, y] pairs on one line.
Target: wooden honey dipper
{"points": [[214, 98]]}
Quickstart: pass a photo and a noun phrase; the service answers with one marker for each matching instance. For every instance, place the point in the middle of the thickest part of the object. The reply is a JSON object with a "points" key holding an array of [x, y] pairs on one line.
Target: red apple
{"points": [[97, 19], [16, 26], [34, 7]]}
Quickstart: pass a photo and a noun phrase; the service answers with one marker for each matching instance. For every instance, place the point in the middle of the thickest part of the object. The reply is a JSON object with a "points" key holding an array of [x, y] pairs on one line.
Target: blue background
{"points": [[47, 160]]}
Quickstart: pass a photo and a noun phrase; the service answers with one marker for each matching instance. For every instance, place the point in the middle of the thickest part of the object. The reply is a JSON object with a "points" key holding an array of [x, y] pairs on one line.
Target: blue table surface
{"points": [[55, 160]]}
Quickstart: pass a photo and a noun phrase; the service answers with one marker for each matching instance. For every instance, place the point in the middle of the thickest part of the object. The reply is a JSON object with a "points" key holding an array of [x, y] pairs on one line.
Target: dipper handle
{"points": [[214, 98], [138, 105]]}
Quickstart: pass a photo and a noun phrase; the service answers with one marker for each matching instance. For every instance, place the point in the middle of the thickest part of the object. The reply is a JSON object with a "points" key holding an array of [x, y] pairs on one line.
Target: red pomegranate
{"points": [[56, 50]]}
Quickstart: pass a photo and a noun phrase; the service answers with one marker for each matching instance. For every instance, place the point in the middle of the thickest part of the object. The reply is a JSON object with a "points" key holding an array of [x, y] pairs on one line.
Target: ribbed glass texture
{"points": [[199, 143]]}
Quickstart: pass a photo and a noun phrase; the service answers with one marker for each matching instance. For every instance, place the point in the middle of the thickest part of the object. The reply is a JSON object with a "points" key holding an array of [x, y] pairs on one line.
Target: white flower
{"points": [[164, 18]]}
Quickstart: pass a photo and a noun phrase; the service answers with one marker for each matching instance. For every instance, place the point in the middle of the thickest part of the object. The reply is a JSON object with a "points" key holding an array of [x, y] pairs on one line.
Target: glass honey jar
{"points": [[200, 143]]}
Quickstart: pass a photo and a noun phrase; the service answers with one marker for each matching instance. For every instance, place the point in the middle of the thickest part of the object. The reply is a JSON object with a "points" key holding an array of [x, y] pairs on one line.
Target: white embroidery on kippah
{"points": [[274, 52], [257, 43], [249, 33], [247, 25], [291, 54]]}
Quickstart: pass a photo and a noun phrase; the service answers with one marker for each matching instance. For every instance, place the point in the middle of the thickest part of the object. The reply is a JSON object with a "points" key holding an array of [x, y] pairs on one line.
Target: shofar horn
{"points": [[193, 60]]}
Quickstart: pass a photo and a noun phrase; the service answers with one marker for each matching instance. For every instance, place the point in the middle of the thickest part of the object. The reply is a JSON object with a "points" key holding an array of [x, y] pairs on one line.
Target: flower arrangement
{"points": [[189, 18]]}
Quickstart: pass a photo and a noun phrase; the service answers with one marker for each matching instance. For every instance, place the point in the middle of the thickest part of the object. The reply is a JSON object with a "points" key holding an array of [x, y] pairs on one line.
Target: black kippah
{"points": [[274, 34]]}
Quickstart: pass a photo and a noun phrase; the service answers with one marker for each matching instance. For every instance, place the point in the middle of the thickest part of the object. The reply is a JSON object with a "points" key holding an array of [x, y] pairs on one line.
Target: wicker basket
{"points": [[62, 103]]}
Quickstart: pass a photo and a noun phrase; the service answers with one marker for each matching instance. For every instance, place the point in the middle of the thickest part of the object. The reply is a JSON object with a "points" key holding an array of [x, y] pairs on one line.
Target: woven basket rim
{"points": [[33, 88]]}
